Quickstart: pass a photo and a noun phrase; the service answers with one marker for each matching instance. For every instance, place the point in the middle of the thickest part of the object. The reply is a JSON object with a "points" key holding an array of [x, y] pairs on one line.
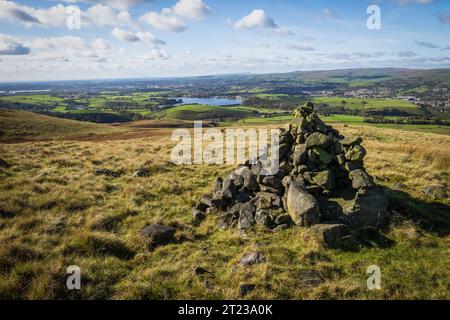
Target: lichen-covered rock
{"points": [[302, 206], [360, 179], [318, 139], [355, 153]]}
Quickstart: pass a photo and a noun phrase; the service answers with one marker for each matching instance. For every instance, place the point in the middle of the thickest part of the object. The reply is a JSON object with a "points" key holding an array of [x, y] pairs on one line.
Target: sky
{"points": [[106, 39]]}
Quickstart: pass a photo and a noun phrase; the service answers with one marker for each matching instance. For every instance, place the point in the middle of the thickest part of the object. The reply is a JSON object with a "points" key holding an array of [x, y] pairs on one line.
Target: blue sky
{"points": [[152, 38]]}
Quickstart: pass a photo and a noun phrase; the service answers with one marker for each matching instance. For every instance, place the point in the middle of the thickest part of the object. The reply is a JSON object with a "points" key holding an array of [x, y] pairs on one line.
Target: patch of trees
{"points": [[98, 117], [407, 120]]}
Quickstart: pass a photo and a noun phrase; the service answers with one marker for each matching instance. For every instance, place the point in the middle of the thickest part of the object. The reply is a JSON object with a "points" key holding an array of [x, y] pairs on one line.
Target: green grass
{"points": [[199, 112], [22, 125], [60, 213]]}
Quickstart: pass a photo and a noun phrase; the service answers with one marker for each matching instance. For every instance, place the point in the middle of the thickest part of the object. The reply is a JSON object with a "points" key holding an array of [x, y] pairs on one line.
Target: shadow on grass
{"points": [[433, 217]]}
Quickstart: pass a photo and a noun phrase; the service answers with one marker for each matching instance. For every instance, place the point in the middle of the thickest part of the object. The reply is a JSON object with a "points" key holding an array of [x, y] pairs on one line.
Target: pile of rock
{"points": [[321, 181]]}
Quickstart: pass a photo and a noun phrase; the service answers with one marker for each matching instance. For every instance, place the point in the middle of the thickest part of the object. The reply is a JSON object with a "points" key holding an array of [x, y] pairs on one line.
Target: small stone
{"points": [[198, 271], [280, 227], [252, 258], [246, 288], [158, 234], [283, 219], [198, 215]]}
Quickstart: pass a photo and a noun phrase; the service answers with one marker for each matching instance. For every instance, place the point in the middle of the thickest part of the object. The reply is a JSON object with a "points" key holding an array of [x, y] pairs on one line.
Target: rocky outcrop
{"points": [[321, 178]]}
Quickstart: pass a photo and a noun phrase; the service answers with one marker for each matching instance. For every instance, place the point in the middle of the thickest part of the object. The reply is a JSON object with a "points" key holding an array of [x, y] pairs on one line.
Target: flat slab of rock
{"points": [[331, 235], [158, 234]]}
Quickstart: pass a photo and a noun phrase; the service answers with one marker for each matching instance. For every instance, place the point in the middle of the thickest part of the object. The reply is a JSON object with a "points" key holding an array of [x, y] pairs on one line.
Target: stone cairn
{"points": [[321, 183]]}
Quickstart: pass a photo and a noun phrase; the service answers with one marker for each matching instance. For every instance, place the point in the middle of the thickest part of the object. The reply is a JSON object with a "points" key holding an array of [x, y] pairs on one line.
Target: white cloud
{"points": [[191, 9], [100, 44], [127, 36], [258, 19], [173, 19], [328, 14], [166, 20], [70, 43], [102, 15], [57, 16], [118, 4], [12, 46], [156, 54], [403, 2], [300, 47]]}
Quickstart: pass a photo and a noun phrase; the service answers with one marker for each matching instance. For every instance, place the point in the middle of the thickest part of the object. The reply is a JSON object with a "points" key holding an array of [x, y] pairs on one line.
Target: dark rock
{"points": [[268, 189], [263, 218], [198, 215], [246, 288], [246, 216], [158, 234], [369, 209], [302, 206], [299, 155], [218, 185], [252, 258], [331, 234], [360, 179], [280, 227], [351, 141], [107, 172], [4, 164], [267, 200], [273, 182], [243, 196], [283, 219], [142, 172], [283, 150], [206, 200], [198, 271], [350, 166], [317, 139], [228, 189], [250, 182]]}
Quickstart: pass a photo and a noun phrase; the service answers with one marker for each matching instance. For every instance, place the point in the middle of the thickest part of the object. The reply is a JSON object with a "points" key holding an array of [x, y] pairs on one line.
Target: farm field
{"points": [[58, 209]]}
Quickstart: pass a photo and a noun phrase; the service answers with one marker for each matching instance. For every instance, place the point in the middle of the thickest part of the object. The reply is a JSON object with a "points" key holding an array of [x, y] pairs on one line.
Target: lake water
{"points": [[210, 101]]}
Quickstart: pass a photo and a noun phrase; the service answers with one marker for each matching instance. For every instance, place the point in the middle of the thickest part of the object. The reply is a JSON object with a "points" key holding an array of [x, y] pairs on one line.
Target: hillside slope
{"points": [[17, 126]]}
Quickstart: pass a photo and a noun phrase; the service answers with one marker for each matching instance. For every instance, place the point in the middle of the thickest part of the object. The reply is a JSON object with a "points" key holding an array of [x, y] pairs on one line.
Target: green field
{"points": [[199, 112], [363, 103]]}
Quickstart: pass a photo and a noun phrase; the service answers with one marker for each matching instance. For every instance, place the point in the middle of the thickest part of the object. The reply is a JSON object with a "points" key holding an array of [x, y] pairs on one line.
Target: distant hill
{"points": [[17, 126]]}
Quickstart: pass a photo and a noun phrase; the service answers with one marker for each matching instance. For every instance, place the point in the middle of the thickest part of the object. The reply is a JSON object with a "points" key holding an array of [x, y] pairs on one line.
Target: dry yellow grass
{"points": [[57, 212]]}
